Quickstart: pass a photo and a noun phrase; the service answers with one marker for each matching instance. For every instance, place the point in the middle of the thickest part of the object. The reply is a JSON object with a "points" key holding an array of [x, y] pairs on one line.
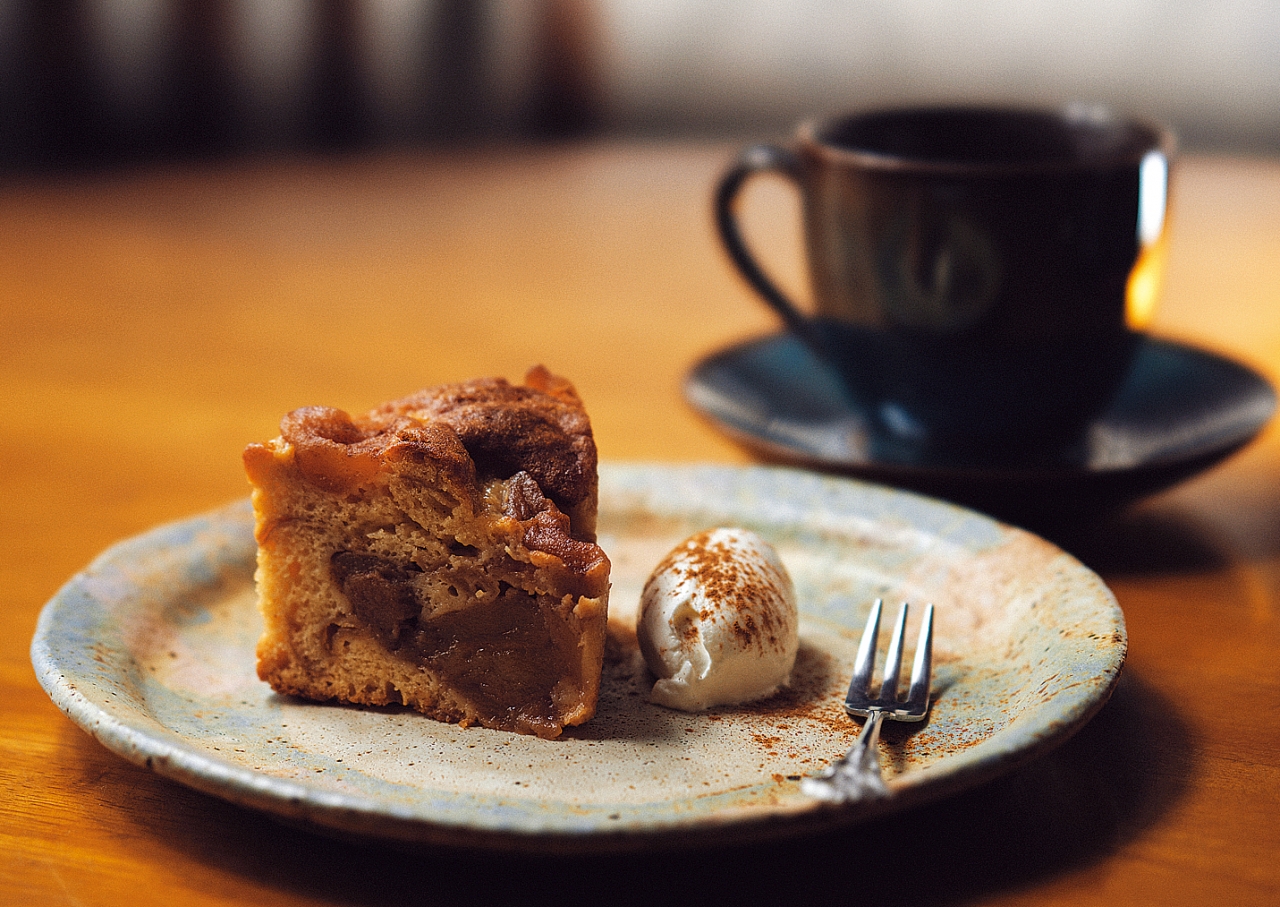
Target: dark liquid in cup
{"points": [[961, 137]]}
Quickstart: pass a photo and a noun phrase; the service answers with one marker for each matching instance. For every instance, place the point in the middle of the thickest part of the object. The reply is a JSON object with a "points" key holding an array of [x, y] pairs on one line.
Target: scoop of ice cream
{"points": [[718, 622]]}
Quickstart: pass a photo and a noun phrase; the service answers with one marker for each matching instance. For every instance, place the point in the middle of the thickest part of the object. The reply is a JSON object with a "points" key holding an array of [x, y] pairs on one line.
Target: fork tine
{"points": [[893, 660], [864, 667], [922, 670]]}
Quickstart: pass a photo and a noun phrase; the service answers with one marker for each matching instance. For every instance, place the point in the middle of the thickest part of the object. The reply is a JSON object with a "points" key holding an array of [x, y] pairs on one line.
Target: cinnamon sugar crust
{"points": [[540, 428], [437, 552]]}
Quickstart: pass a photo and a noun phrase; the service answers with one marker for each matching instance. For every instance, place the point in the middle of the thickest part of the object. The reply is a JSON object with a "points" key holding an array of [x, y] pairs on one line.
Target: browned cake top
{"points": [[540, 428], [486, 428]]}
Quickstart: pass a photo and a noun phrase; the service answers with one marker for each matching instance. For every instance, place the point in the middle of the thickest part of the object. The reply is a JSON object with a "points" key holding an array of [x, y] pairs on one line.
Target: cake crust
{"points": [[437, 552]]}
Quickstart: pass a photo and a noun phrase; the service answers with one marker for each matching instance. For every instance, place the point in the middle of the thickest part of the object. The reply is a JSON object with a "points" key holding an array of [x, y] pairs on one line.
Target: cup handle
{"points": [[753, 160]]}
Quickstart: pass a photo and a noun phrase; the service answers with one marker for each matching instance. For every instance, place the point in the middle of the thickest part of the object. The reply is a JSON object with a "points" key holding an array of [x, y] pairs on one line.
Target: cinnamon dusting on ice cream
{"points": [[718, 622]]}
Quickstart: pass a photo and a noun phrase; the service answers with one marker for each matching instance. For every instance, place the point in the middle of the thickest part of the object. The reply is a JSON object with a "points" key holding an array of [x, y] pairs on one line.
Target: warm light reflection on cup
{"points": [[1143, 288]]}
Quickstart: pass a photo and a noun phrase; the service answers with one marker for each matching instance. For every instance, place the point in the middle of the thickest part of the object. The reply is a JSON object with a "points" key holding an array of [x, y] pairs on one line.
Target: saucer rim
{"points": [[1145, 475]]}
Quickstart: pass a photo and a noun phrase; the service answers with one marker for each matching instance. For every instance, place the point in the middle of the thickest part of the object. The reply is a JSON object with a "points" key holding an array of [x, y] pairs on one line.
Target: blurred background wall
{"points": [[85, 82]]}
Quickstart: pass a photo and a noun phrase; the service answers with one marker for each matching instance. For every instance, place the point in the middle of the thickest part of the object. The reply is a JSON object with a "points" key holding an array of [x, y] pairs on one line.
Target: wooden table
{"points": [[152, 323]]}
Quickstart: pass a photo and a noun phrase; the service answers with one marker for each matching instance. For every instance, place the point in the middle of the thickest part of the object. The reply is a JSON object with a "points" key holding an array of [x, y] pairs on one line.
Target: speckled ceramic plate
{"points": [[150, 650]]}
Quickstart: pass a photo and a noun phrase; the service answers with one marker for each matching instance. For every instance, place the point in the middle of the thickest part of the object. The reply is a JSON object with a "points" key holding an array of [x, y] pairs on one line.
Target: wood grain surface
{"points": [[154, 322]]}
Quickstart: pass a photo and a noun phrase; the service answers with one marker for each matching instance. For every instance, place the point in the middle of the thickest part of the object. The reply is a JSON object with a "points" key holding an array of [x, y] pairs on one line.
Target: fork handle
{"points": [[863, 757], [855, 775]]}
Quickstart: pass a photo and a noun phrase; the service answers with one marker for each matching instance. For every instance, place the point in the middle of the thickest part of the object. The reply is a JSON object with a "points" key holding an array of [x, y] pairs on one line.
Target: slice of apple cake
{"points": [[438, 552]]}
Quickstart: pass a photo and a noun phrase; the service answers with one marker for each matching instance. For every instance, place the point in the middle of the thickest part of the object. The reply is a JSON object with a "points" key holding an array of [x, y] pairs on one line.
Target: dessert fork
{"points": [[856, 775]]}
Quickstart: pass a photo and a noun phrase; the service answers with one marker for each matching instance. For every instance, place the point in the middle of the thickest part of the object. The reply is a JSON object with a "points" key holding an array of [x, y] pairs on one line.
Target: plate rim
{"points": [[363, 815]]}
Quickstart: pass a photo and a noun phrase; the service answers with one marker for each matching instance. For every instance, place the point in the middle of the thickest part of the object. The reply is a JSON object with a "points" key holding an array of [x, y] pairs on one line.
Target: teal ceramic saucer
{"points": [[1180, 411]]}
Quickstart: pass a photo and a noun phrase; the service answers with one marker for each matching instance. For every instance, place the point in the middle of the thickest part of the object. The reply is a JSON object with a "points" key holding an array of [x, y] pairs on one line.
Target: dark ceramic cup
{"points": [[979, 276]]}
